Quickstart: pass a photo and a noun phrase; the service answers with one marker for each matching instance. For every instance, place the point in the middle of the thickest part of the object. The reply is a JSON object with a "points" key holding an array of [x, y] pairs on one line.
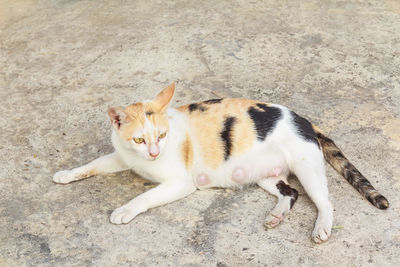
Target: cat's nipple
{"points": [[277, 171], [202, 179], [239, 176]]}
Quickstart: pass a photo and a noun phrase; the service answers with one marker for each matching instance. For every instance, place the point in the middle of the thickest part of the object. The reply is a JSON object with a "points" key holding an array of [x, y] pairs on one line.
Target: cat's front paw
{"points": [[122, 215], [64, 177]]}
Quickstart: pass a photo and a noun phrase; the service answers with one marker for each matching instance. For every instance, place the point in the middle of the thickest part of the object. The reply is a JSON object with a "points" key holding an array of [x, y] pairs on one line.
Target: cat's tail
{"points": [[342, 165]]}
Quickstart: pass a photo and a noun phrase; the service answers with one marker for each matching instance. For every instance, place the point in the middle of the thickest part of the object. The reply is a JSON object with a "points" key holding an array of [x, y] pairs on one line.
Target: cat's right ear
{"points": [[117, 116], [164, 97]]}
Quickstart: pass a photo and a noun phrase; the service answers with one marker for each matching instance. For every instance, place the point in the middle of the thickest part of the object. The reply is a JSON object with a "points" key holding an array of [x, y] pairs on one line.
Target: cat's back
{"points": [[223, 128], [222, 107]]}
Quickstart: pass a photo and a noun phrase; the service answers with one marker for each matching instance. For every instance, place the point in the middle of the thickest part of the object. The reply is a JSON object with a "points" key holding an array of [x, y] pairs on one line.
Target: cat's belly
{"points": [[242, 170]]}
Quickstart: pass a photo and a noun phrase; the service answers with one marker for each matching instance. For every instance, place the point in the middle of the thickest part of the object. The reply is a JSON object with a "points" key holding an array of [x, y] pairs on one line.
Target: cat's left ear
{"points": [[164, 98], [118, 117]]}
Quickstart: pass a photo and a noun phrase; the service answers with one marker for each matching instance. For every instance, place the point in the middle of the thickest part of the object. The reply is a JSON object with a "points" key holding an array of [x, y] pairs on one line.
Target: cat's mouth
{"points": [[153, 158]]}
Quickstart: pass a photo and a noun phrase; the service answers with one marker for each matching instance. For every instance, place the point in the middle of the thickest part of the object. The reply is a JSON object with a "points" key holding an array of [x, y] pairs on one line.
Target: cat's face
{"points": [[143, 127]]}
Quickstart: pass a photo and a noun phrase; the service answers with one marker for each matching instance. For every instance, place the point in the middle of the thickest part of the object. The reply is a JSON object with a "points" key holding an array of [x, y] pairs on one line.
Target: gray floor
{"points": [[63, 63]]}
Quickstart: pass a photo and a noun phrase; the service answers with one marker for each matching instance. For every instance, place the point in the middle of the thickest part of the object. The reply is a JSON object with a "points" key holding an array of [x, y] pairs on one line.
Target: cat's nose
{"points": [[154, 150]]}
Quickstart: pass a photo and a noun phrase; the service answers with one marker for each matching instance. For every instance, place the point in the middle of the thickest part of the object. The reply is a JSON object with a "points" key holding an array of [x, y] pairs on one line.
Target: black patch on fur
{"points": [[304, 128], [359, 182], [262, 106], [213, 101], [286, 190], [264, 119], [380, 202], [226, 136], [353, 176], [197, 106], [149, 113], [338, 154], [343, 166]]}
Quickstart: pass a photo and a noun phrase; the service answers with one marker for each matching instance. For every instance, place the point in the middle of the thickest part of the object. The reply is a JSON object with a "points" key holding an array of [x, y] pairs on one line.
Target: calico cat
{"points": [[222, 143]]}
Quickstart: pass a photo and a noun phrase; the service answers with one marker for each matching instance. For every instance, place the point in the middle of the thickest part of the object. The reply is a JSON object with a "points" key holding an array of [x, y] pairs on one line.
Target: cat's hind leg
{"points": [[310, 170], [286, 195], [106, 164]]}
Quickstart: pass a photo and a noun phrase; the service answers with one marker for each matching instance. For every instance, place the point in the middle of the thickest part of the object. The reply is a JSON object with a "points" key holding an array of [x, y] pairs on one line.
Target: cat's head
{"points": [[143, 127]]}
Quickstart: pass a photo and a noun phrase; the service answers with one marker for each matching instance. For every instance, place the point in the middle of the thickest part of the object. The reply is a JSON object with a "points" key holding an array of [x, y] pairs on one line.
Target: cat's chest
{"points": [[161, 170], [149, 173]]}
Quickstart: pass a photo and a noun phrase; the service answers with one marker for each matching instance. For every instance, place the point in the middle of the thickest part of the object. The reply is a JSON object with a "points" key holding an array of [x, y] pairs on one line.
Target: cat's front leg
{"points": [[107, 164], [162, 194]]}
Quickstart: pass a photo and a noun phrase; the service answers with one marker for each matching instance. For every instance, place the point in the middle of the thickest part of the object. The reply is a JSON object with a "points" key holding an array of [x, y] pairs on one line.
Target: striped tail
{"points": [[342, 165]]}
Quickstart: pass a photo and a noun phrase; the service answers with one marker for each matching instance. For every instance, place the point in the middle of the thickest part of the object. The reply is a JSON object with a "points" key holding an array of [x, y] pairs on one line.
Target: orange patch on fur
{"points": [[243, 135], [206, 126], [137, 114], [187, 152]]}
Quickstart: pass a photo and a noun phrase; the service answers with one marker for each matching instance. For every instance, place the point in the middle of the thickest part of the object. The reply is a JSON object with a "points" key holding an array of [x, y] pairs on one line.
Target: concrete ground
{"points": [[63, 63]]}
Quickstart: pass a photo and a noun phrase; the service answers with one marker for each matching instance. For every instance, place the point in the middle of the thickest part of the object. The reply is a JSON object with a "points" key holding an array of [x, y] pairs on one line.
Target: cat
{"points": [[222, 143]]}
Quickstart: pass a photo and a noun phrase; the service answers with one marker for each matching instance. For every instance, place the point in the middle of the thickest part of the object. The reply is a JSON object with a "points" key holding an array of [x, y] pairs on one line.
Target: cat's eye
{"points": [[138, 140], [163, 135]]}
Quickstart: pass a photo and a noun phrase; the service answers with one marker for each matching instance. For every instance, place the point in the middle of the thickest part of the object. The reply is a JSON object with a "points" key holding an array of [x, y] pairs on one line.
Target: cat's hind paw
{"points": [[321, 232], [122, 215], [273, 221], [63, 177]]}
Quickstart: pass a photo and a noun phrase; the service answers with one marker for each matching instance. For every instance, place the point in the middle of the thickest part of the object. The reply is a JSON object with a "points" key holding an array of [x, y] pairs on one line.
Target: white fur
{"points": [[282, 152]]}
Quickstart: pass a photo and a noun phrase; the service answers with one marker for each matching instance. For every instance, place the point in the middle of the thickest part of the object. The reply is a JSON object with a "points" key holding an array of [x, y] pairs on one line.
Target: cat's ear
{"points": [[164, 97], [117, 116]]}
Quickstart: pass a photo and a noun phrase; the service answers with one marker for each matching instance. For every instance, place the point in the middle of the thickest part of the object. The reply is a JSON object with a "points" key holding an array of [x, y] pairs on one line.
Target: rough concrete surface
{"points": [[63, 63]]}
